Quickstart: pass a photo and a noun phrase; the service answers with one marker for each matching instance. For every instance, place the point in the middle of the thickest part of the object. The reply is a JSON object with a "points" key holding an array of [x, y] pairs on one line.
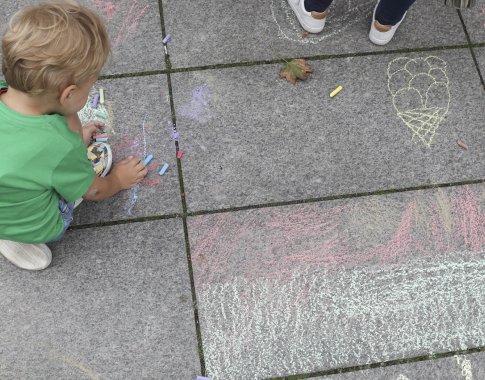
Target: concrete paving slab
{"points": [[313, 287], [474, 19], [225, 32], [136, 111], [107, 308], [251, 137], [134, 28], [466, 367]]}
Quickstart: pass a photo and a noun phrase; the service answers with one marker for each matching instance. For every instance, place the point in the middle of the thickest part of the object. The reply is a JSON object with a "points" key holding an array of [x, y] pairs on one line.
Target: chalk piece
{"points": [[167, 39], [148, 159], [165, 49], [101, 135], [101, 114], [462, 144], [202, 378], [94, 103], [175, 135], [101, 95], [164, 169], [336, 91], [101, 139], [179, 154]]}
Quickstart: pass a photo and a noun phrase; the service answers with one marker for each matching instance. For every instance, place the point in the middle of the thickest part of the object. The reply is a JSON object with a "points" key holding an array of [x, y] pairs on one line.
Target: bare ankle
{"points": [[382, 28], [319, 15]]}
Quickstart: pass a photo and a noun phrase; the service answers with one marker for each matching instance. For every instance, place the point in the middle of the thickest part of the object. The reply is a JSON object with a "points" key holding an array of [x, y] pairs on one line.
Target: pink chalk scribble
{"points": [[114, 16], [276, 243], [129, 145]]}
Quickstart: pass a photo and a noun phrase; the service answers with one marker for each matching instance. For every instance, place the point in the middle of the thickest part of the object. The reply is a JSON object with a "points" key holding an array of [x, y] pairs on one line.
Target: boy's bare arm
{"points": [[124, 175], [74, 124]]}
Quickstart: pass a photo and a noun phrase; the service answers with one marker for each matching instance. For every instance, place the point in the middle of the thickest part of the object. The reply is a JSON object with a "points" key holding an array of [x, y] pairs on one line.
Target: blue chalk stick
{"points": [[202, 378], [148, 159], [167, 39], [164, 169], [101, 139]]}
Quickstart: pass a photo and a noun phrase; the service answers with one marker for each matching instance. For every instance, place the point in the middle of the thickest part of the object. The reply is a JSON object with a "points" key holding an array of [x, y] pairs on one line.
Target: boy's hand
{"points": [[90, 129], [129, 172], [125, 174]]}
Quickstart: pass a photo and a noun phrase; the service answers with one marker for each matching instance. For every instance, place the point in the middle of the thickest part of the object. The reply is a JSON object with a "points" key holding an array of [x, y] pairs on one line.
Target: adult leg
{"points": [[390, 12], [317, 5], [311, 13], [387, 16]]}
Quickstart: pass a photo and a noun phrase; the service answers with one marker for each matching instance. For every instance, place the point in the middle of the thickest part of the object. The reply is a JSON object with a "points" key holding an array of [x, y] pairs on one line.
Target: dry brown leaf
{"points": [[294, 70], [462, 144]]}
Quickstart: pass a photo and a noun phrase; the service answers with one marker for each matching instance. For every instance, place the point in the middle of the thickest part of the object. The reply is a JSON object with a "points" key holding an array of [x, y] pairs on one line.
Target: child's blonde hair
{"points": [[52, 45]]}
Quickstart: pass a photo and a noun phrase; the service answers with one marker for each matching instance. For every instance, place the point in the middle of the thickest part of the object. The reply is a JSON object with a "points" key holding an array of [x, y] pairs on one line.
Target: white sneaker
{"points": [[312, 22], [26, 256], [382, 38], [78, 202]]}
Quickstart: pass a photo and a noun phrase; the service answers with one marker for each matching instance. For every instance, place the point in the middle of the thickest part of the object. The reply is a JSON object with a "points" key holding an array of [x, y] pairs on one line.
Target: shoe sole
{"points": [[296, 11], [18, 254]]}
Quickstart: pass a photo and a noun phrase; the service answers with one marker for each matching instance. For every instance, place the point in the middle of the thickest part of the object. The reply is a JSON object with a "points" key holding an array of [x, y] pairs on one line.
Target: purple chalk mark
{"points": [[175, 135], [198, 107], [94, 103]]}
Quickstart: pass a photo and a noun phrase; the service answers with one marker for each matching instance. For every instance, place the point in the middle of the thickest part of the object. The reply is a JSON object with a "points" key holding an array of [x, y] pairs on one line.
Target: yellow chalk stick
{"points": [[101, 95], [336, 91]]}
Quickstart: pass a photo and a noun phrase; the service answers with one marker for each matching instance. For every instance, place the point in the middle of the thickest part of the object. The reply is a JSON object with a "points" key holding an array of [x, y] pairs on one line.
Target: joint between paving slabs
{"points": [[168, 64], [389, 363], [470, 46]]}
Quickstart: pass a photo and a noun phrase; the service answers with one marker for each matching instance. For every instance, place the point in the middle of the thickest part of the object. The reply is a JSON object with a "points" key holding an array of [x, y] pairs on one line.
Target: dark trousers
{"points": [[389, 12]]}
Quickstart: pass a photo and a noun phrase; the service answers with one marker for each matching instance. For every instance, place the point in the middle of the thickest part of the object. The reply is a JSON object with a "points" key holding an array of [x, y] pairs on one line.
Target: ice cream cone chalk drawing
{"points": [[420, 94]]}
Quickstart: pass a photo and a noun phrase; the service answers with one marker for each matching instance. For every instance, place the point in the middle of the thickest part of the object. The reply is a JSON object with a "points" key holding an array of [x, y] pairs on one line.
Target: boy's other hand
{"points": [[90, 129], [129, 172]]}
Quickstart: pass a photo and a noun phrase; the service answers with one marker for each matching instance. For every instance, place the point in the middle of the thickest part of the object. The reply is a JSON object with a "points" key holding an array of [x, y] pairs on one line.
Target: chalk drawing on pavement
{"points": [[292, 291], [420, 94]]}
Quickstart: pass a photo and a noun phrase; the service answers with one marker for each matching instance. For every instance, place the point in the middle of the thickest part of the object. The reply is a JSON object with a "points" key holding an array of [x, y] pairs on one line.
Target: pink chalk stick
{"points": [[179, 154]]}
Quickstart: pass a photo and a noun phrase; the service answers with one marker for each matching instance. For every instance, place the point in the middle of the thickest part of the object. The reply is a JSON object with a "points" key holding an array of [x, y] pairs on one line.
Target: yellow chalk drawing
{"points": [[420, 94], [466, 367], [75, 363], [444, 205]]}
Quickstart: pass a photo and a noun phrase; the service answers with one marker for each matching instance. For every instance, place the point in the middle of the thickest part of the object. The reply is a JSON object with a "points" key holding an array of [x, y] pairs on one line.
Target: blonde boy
{"points": [[52, 56]]}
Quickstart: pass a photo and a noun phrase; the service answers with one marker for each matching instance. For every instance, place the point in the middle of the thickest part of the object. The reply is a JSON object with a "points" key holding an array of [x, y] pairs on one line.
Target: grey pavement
{"points": [[299, 236]]}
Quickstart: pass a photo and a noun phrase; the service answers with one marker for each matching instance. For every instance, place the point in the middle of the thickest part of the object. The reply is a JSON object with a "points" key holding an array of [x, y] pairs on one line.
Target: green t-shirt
{"points": [[41, 160]]}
